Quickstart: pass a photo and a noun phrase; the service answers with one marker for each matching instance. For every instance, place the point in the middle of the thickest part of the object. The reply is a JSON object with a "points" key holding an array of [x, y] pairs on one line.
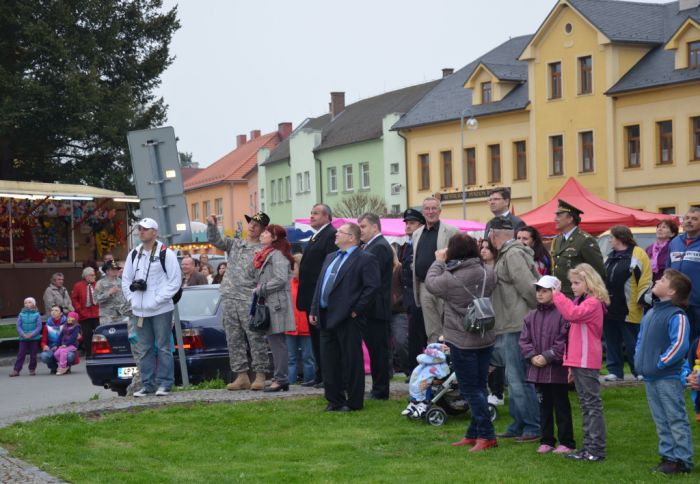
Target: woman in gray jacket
{"points": [[457, 275], [273, 263]]}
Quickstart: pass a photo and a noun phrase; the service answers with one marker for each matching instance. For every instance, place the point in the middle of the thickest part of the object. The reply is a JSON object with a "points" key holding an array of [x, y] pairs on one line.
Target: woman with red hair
{"points": [[274, 263]]}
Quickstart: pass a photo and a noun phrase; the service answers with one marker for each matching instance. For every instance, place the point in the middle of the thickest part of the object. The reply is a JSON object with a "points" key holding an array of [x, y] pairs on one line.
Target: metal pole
{"points": [[162, 207], [464, 168]]}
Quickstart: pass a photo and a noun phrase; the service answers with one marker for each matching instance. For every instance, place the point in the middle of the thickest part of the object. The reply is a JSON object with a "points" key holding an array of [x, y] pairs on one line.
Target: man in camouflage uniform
{"points": [[573, 246], [109, 295], [237, 296]]}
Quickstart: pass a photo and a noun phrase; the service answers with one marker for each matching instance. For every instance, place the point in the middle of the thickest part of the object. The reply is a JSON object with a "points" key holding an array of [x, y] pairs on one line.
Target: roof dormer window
{"points": [[485, 92], [694, 54]]}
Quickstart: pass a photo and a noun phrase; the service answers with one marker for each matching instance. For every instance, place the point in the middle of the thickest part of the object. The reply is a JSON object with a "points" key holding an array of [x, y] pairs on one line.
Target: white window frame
{"points": [[307, 182], [348, 177], [300, 183], [394, 168], [364, 175], [332, 179], [273, 191], [288, 186]]}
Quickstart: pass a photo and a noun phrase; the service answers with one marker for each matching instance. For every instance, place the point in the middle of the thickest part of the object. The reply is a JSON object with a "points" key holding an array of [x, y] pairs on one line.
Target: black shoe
{"points": [[309, 384], [373, 396], [672, 467], [332, 407], [277, 388], [584, 455], [318, 384], [344, 408]]}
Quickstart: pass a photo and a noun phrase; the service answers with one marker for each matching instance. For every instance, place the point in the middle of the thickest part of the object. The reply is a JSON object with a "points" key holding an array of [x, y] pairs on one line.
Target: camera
{"points": [[138, 285]]}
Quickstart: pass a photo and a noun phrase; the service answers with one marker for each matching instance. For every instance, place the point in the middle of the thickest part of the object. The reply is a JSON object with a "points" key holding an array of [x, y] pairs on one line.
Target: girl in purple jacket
{"points": [[543, 343], [67, 342]]}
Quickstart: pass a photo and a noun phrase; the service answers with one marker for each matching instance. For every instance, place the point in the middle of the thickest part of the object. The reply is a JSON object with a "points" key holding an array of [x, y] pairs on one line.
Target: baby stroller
{"points": [[445, 399]]}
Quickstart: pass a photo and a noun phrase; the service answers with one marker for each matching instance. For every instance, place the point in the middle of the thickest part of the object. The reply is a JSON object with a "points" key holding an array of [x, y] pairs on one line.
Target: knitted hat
{"points": [[74, 315]]}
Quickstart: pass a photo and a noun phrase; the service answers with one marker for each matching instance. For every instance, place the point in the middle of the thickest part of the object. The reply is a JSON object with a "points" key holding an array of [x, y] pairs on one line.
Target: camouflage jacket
{"points": [[113, 307], [239, 279]]}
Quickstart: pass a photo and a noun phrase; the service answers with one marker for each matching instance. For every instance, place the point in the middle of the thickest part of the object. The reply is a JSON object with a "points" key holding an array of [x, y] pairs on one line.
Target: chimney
{"points": [[254, 134], [688, 4], [284, 130], [240, 140], [337, 103], [446, 71]]}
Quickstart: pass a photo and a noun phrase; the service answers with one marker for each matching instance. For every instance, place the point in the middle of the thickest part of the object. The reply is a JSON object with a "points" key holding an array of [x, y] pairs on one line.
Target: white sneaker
{"points": [[495, 401], [419, 410], [162, 392], [610, 377], [640, 377], [409, 409], [141, 393]]}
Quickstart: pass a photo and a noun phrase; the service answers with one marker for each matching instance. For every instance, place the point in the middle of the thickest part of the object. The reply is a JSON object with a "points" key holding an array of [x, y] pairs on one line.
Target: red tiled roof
{"points": [[235, 165], [188, 172]]}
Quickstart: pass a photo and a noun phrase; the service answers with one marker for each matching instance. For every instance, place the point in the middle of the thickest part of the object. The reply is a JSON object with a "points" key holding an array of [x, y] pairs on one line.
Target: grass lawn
{"points": [[8, 331], [295, 441]]}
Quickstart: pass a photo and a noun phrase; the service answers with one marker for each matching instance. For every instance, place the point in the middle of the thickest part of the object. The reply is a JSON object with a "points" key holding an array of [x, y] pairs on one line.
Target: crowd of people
{"points": [[555, 310]]}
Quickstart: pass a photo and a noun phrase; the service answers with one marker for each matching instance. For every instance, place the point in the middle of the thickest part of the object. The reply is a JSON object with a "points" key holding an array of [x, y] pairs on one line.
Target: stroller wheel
{"points": [[436, 416], [493, 412]]}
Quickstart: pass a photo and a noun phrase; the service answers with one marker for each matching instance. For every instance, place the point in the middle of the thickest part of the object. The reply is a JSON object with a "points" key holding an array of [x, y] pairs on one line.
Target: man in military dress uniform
{"points": [[573, 246], [108, 294], [237, 296]]}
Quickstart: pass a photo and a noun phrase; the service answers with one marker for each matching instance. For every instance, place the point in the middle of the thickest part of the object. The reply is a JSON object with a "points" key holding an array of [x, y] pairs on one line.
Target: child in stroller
{"points": [[435, 392], [432, 363]]}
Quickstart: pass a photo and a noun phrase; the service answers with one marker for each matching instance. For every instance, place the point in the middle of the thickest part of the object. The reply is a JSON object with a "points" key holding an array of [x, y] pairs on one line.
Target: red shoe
{"points": [[697, 417], [483, 444], [464, 441]]}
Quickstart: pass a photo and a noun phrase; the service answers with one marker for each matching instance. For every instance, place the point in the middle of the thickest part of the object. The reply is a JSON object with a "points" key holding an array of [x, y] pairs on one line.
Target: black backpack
{"points": [[161, 257]]}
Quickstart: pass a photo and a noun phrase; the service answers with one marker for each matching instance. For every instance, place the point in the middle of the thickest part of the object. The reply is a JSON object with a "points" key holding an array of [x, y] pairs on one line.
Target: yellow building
{"points": [[605, 91]]}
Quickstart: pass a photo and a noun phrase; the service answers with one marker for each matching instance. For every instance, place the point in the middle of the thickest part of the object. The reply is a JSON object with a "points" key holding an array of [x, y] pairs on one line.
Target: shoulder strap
{"points": [[483, 284], [133, 255], [161, 256]]}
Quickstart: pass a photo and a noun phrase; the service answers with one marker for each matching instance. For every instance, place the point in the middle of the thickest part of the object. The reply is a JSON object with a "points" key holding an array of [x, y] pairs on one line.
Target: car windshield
{"points": [[196, 304]]}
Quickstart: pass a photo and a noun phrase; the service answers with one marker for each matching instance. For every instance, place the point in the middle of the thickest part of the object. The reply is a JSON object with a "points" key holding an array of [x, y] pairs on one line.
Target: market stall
{"points": [[47, 228]]}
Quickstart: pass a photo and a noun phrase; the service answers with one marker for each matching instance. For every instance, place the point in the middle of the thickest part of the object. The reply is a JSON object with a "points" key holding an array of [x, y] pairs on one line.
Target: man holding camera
{"points": [[149, 286]]}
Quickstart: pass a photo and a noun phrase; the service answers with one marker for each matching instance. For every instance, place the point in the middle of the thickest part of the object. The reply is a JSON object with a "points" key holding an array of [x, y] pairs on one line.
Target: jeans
{"points": [[588, 390], [49, 359], [522, 398], [156, 331], [294, 343], [616, 334], [472, 369], [667, 406]]}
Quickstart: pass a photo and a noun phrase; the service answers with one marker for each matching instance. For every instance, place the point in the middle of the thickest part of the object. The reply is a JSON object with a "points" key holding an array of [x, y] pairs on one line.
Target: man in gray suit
{"points": [[433, 236], [499, 204]]}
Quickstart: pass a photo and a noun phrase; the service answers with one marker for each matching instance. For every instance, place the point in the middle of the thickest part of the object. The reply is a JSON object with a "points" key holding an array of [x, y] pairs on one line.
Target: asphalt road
{"points": [[24, 394]]}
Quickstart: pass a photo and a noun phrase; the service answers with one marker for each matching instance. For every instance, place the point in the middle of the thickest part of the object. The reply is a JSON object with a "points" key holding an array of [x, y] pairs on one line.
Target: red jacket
{"points": [[45, 340], [300, 318], [78, 296]]}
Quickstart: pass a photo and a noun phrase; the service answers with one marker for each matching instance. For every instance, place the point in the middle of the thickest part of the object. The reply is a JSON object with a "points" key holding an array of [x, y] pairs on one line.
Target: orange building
{"points": [[228, 187]]}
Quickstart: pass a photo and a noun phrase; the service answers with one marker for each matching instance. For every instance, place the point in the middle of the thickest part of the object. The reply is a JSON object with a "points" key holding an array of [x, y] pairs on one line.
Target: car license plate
{"points": [[127, 372]]}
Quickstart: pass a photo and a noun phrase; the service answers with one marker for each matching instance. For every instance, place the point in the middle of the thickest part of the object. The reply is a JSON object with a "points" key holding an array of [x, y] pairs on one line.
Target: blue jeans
{"points": [[472, 369], [667, 406], [307, 358], [48, 358], [522, 397], [617, 334], [155, 332]]}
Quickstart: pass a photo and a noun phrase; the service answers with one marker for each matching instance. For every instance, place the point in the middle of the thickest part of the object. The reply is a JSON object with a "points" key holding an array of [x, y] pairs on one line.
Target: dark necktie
{"points": [[331, 278]]}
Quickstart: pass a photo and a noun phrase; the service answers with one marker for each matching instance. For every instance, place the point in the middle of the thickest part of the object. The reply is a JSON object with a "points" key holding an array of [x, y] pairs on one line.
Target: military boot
{"points": [[259, 383], [242, 382]]}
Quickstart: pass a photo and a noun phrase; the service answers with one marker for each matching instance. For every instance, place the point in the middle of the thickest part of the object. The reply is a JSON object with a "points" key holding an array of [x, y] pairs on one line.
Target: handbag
{"points": [[259, 315], [480, 316]]}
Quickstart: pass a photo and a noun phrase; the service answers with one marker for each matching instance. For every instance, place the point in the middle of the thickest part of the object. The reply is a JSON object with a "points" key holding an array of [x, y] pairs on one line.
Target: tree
{"points": [[359, 203], [75, 76], [185, 159]]}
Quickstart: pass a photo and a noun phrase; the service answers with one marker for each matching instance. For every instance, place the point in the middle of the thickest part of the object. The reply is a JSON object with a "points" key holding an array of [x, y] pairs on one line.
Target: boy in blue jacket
{"points": [[661, 348]]}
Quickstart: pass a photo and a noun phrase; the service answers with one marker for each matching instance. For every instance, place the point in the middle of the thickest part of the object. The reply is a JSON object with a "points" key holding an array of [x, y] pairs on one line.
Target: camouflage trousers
{"points": [[239, 337], [135, 384]]}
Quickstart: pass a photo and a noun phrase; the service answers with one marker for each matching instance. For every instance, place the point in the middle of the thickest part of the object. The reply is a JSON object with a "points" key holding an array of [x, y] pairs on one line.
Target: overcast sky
{"points": [[245, 65]]}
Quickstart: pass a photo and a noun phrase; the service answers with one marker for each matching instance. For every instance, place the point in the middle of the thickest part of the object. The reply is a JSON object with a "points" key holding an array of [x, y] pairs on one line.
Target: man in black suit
{"points": [[376, 332], [344, 294], [499, 204], [320, 245]]}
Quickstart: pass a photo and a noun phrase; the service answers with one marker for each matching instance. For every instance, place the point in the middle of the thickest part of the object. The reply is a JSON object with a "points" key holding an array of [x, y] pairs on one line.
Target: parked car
{"points": [[112, 365]]}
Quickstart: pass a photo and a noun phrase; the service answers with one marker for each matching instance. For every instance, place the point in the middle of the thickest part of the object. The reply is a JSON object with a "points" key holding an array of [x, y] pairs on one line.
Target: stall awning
{"points": [[598, 214], [60, 191]]}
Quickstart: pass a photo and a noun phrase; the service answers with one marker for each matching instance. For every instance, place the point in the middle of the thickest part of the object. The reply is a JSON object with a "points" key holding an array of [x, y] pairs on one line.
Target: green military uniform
{"points": [[580, 247]]}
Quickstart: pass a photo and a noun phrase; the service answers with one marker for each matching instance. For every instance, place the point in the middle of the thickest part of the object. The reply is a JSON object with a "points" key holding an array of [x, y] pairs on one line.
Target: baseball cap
{"points": [[548, 282], [148, 223], [110, 264], [501, 223]]}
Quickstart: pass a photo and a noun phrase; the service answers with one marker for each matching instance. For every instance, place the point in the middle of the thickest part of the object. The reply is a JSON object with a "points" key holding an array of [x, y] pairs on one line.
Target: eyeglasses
{"points": [[431, 209], [493, 199], [344, 233]]}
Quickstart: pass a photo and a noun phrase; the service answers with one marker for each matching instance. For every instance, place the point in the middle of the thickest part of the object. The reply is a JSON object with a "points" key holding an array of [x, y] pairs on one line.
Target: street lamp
{"points": [[472, 124]]}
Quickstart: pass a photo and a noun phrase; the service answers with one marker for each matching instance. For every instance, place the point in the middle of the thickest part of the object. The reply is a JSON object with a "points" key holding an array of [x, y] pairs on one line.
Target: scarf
{"points": [[656, 248], [88, 296], [261, 255]]}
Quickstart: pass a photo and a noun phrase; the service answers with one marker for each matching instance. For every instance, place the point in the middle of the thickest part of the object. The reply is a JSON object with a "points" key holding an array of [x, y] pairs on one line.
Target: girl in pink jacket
{"points": [[584, 353]]}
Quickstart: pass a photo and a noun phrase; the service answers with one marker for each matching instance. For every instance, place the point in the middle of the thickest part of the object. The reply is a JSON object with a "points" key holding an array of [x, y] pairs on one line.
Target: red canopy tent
{"points": [[598, 214]]}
